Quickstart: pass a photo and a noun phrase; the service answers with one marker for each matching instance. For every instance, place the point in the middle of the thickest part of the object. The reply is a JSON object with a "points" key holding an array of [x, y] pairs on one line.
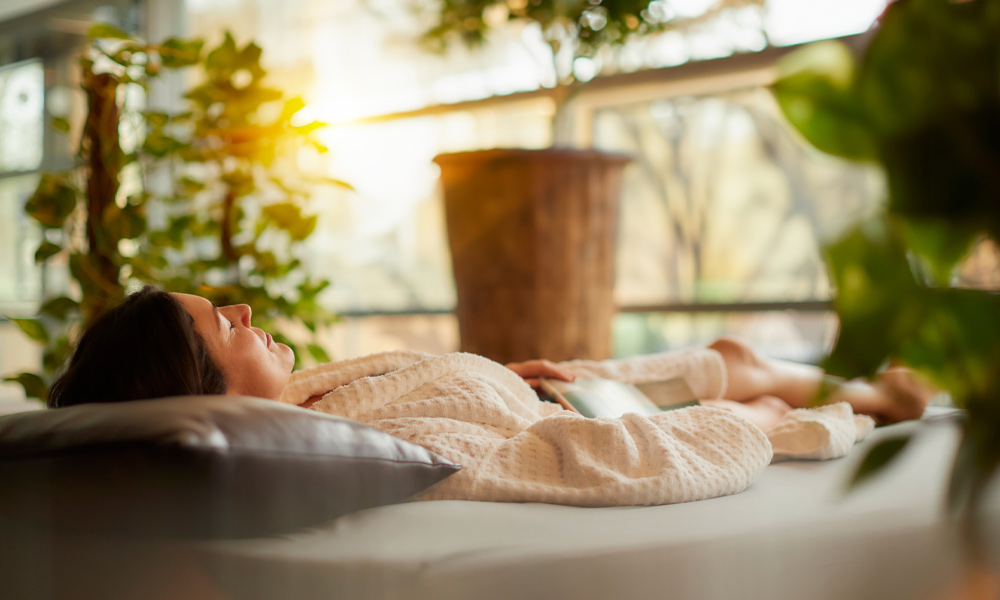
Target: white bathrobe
{"points": [[514, 447]]}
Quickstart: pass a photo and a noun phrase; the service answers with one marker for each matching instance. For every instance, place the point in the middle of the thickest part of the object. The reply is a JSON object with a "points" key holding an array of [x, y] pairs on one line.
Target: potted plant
{"points": [[208, 234], [923, 102], [532, 232]]}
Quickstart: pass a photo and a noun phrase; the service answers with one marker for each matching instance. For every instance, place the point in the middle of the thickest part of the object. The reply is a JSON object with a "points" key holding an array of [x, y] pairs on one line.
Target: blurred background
{"points": [[723, 208]]}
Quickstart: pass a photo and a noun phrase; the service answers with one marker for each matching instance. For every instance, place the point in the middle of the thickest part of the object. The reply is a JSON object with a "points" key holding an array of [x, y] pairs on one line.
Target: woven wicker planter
{"points": [[532, 236]]}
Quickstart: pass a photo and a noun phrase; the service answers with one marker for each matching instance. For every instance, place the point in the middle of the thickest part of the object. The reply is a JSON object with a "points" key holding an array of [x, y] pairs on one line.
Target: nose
{"points": [[241, 312]]}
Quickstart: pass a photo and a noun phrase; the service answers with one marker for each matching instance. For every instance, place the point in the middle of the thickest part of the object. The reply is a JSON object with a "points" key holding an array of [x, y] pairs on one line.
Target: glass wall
{"points": [[724, 205], [721, 203]]}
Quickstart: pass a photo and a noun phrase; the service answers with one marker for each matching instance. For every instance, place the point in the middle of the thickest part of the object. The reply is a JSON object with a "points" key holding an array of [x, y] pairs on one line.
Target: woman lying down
{"points": [[513, 447]]}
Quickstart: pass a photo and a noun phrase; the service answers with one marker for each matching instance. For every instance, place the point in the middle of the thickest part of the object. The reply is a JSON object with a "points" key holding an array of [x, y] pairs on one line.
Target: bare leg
{"points": [[895, 396], [762, 411]]}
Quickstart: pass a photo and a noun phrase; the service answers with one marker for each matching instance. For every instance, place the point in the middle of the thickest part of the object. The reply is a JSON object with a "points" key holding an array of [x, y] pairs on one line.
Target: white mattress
{"points": [[793, 534]]}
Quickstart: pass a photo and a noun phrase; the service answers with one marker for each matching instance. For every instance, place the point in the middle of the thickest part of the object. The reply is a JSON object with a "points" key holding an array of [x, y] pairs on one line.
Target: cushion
{"points": [[200, 467]]}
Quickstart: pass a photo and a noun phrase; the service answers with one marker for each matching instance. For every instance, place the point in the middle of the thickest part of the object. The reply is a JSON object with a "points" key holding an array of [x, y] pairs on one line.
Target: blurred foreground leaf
{"points": [[877, 459], [815, 92]]}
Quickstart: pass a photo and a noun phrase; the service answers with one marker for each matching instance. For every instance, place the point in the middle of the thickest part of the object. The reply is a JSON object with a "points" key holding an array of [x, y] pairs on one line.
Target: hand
{"points": [[531, 370]]}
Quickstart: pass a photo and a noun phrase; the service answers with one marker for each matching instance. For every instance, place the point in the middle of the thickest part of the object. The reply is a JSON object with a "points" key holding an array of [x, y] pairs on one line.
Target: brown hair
{"points": [[146, 347]]}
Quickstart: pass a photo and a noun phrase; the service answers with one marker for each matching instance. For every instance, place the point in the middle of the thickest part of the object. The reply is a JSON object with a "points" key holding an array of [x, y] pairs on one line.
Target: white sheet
{"points": [[793, 534]]}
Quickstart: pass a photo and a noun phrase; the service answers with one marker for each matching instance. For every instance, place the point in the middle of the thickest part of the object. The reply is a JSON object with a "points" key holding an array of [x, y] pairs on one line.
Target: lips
{"points": [[269, 339]]}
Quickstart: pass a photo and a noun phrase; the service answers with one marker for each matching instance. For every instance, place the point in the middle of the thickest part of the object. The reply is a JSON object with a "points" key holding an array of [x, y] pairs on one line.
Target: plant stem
{"points": [[103, 155], [226, 234]]}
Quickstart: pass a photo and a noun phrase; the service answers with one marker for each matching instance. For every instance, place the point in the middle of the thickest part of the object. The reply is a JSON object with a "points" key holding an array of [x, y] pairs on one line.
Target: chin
{"points": [[291, 357]]}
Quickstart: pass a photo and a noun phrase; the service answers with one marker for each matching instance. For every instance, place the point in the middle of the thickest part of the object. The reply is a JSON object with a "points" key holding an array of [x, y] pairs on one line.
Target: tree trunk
{"points": [[532, 236]]}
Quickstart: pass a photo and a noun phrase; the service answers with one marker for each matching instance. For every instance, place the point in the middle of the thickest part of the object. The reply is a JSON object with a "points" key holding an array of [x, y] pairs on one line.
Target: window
{"points": [[22, 87], [718, 150], [21, 134], [722, 203]]}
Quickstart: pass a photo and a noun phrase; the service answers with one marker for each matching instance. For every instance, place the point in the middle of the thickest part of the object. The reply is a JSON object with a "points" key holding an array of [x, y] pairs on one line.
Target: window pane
{"points": [[789, 335], [20, 279], [21, 116], [722, 203], [358, 336], [385, 246]]}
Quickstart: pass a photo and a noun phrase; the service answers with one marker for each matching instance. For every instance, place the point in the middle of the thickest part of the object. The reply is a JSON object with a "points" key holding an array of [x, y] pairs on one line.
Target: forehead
{"points": [[198, 307]]}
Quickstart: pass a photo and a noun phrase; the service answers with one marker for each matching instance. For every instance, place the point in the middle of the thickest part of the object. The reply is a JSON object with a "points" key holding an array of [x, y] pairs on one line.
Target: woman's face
{"points": [[254, 364]]}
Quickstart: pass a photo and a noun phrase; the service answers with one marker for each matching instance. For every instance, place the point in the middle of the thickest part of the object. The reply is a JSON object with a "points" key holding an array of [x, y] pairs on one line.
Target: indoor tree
{"points": [[573, 28], [237, 213], [190, 200]]}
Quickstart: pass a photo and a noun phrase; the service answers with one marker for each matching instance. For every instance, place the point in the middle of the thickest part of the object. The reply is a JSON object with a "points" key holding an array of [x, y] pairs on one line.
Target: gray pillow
{"points": [[200, 467]]}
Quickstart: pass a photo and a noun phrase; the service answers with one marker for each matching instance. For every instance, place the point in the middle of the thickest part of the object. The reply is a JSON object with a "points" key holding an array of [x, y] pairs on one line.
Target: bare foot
{"points": [[749, 374], [907, 394]]}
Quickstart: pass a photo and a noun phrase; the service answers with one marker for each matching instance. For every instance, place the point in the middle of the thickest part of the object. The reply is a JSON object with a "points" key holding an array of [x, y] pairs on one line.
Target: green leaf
{"points": [[59, 307], [107, 30], [305, 228], [190, 186], [955, 341], [222, 59], [940, 243], [815, 92], [123, 223], [34, 386], [877, 459], [930, 59], [159, 144], [877, 298], [138, 200], [288, 216], [178, 227], [156, 118], [125, 54], [96, 286], [177, 53], [56, 354], [60, 124], [266, 263], [33, 328], [53, 201], [46, 250], [318, 353], [249, 59]]}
